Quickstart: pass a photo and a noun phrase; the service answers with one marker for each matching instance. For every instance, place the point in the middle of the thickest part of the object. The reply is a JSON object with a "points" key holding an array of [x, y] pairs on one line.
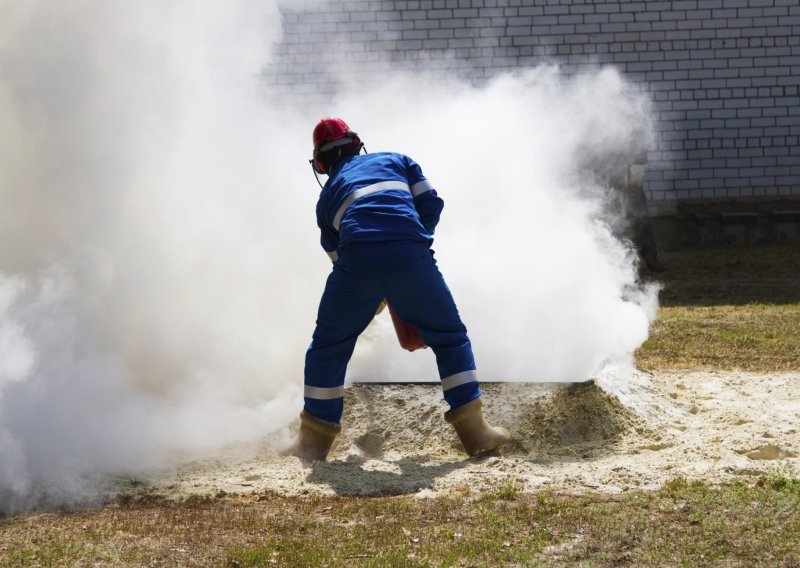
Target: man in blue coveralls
{"points": [[377, 214]]}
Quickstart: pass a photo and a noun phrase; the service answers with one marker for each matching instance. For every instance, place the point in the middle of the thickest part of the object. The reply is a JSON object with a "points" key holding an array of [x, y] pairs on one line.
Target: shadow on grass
{"points": [[768, 274], [350, 477]]}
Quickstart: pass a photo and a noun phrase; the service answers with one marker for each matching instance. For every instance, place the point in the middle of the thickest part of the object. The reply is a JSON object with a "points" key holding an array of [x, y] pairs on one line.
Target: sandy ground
{"points": [[619, 432]]}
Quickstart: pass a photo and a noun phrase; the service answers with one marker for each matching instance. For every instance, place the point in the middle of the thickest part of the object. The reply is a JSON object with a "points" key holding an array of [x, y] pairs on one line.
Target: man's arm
{"points": [[426, 201], [329, 239]]}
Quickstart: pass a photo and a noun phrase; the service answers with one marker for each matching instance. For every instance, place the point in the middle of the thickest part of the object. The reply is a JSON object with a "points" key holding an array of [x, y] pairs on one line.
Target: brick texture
{"points": [[723, 75]]}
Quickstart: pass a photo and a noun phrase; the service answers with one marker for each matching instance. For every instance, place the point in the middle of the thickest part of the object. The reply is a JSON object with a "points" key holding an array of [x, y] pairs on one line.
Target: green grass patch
{"points": [[55, 550], [727, 308], [753, 337]]}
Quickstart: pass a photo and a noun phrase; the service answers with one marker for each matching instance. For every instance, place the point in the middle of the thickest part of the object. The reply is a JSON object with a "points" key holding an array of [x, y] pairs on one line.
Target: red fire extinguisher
{"points": [[407, 335]]}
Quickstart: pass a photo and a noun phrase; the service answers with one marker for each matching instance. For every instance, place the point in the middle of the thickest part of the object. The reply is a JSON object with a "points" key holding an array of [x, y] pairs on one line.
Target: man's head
{"points": [[333, 140]]}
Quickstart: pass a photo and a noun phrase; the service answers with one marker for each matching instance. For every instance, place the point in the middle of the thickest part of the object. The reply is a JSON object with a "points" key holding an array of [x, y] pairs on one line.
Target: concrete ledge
{"points": [[708, 223]]}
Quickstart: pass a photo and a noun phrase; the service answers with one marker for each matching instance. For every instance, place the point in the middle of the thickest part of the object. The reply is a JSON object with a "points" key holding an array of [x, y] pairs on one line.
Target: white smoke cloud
{"points": [[547, 292], [149, 225], [159, 259]]}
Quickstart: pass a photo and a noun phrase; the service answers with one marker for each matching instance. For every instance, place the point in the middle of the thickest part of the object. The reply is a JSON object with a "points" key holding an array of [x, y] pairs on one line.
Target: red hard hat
{"points": [[329, 130]]}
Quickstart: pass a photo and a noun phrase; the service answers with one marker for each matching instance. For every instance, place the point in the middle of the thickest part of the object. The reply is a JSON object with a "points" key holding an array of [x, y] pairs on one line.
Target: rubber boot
{"points": [[316, 437], [474, 432]]}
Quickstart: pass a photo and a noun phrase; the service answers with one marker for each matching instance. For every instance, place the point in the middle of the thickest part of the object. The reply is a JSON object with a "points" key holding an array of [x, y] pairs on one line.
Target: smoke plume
{"points": [[547, 291], [159, 259]]}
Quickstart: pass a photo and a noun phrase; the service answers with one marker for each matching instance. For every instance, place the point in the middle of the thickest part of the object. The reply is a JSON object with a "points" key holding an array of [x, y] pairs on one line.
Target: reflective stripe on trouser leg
{"points": [[461, 388], [459, 379], [346, 308], [324, 403], [421, 297], [323, 393]]}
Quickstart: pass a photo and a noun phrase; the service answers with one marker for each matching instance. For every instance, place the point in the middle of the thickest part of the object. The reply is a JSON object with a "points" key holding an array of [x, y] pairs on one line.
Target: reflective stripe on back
{"points": [[374, 188], [459, 379]]}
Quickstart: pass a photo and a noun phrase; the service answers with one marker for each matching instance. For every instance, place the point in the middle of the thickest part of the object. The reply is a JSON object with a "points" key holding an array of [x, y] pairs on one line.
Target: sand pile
{"points": [[612, 435], [393, 421]]}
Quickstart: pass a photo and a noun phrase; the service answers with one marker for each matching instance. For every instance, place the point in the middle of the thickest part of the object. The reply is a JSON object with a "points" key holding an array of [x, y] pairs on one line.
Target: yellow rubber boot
{"points": [[474, 432], [316, 437]]}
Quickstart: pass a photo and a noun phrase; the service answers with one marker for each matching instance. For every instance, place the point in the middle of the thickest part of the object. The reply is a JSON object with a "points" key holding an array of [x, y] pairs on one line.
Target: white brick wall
{"points": [[723, 75]]}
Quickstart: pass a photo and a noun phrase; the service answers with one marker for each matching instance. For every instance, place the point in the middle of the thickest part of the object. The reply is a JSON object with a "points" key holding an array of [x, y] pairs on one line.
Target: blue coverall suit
{"points": [[377, 214]]}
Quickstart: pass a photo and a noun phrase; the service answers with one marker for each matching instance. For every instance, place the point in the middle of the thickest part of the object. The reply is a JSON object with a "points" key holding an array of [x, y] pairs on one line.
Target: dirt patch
{"points": [[620, 432]]}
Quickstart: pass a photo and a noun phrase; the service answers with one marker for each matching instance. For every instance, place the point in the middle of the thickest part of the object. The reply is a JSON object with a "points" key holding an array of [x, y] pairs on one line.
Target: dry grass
{"points": [[727, 308], [752, 337], [683, 524]]}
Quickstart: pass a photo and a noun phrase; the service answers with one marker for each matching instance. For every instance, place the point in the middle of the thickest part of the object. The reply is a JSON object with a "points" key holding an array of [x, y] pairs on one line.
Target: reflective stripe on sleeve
{"points": [[321, 393], [374, 188], [420, 187], [333, 254], [459, 379]]}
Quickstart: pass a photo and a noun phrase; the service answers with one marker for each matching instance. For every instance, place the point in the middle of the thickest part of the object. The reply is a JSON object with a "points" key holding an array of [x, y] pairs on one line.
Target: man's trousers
{"points": [[405, 273]]}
